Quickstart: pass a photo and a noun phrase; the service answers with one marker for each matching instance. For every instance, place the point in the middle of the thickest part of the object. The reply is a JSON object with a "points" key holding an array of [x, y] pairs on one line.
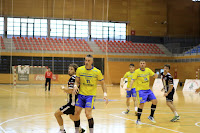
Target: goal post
{"points": [[28, 74]]}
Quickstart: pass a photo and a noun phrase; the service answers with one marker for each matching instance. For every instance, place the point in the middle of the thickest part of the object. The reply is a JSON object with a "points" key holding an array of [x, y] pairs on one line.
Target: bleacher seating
{"points": [[2, 43], [128, 47], [50, 44], [193, 50]]}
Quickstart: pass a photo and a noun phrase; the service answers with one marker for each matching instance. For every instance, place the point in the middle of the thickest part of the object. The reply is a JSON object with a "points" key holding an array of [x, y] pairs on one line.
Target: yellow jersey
{"points": [[129, 76], [88, 80], [142, 78]]}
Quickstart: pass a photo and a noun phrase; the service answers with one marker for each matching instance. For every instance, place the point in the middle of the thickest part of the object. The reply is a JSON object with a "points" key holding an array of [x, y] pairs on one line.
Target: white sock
{"points": [[76, 129], [135, 109], [128, 108], [91, 130], [62, 127], [175, 113]]}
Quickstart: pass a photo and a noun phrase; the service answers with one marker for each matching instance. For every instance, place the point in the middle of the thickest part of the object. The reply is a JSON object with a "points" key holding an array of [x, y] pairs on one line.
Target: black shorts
{"points": [[68, 109], [170, 96]]}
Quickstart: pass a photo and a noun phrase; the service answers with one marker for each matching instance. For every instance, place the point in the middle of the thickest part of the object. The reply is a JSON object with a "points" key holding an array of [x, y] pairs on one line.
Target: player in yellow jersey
{"points": [[144, 93], [132, 92], [87, 77]]}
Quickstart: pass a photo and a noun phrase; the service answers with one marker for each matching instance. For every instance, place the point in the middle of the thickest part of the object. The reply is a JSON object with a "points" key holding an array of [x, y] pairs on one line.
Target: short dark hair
{"points": [[167, 65], [142, 61], [131, 65], [75, 66], [89, 55]]}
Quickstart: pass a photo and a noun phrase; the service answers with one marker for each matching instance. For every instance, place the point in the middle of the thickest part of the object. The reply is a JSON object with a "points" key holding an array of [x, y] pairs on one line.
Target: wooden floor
{"points": [[29, 109]]}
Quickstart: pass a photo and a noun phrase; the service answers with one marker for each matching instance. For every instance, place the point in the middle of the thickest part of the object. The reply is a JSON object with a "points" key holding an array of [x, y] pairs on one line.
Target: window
{"points": [[82, 29], [68, 28], [108, 30], [120, 31], [40, 27], [1, 26], [27, 27]]}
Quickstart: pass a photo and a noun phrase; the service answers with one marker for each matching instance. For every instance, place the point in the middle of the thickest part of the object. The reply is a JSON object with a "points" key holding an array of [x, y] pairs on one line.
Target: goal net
{"points": [[28, 74]]}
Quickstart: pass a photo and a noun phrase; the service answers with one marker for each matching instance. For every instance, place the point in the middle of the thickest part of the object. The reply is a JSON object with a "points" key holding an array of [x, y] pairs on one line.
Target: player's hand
{"points": [[62, 87], [165, 94], [197, 90], [106, 99], [75, 90], [128, 89]]}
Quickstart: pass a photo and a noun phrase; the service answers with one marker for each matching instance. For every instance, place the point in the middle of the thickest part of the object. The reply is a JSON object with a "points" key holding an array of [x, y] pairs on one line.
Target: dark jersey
{"points": [[71, 97], [167, 80]]}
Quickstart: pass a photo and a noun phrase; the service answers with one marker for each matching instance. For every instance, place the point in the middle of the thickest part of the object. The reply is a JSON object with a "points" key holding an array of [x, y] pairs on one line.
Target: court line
{"points": [[24, 121], [2, 129], [23, 117], [16, 91], [196, 124], [147, 124]]}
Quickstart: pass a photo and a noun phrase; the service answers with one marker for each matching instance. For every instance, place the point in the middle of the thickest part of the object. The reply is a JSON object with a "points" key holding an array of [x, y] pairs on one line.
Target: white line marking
{"points": [[2, 129], [24, 121], [197, 124], [146, 124], [12, 91], [22, 117]]}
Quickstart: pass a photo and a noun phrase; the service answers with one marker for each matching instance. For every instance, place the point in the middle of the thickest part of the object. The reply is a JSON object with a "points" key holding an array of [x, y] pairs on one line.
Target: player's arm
{"points": [[170, 89], [67, 90], [76, 84], [155, 75], [162, 81], [171, 85], [131, 84], [197, 90], [122, 81], [135, 75], [103, 85]]}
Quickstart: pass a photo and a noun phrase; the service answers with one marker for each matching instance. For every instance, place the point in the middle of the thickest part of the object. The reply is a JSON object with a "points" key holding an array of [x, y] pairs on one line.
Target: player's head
{"points": [[49, 69], [88, 60], [132, 67], [166, 68], [72, 69], [142, 64]]}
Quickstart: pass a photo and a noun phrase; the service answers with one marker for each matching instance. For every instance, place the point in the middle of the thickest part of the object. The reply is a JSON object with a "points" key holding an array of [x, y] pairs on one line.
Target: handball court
{"points": [[29, 109]]}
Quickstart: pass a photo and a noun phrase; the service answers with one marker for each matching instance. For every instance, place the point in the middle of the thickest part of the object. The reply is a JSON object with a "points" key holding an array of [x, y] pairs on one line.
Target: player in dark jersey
{"points": [[167, 80], [69, 108]]}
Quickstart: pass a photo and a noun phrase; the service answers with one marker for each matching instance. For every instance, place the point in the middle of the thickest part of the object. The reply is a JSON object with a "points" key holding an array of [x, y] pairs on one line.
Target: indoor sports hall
{"points": [[36, 35]]}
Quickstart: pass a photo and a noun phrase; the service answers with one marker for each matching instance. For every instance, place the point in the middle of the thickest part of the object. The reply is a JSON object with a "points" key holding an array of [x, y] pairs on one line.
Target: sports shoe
{"points": [[62, 131], [151, 119], [175, 118], [81, 130], [126, 112], [138, 122]]}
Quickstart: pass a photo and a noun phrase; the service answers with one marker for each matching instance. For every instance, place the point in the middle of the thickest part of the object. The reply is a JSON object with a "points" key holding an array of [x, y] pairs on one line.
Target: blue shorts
{"points": [[145, 96], [131, 93], [85, 101]]}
